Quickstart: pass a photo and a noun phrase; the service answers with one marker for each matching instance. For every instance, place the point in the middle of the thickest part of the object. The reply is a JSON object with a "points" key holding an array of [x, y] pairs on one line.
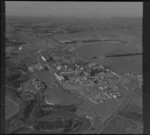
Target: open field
{"points": [[11, 108]]}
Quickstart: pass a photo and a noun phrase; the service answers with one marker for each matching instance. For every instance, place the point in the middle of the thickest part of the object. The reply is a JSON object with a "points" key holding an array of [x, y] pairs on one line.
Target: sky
{"points": [[75, 9]]}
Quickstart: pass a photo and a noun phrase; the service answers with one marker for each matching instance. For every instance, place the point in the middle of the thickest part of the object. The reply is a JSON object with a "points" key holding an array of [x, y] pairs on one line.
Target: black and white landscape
{"points": [[73, 67]]}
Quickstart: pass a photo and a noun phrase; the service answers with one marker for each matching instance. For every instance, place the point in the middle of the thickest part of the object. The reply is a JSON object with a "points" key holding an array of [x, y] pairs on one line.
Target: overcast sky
{"points": [[78, 9]]}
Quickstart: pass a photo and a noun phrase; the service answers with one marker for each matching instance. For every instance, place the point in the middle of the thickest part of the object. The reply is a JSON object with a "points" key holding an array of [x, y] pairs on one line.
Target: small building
{"points": [[60, 78]]}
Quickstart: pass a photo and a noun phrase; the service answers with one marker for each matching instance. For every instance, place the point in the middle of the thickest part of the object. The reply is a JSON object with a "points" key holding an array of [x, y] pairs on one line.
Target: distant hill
{"points": [[26, 19], [36, 19]]}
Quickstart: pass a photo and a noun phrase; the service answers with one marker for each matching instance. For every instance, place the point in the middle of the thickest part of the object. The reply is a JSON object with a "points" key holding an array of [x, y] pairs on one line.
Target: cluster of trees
{"points": [[54, 126], [44, 110]]}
